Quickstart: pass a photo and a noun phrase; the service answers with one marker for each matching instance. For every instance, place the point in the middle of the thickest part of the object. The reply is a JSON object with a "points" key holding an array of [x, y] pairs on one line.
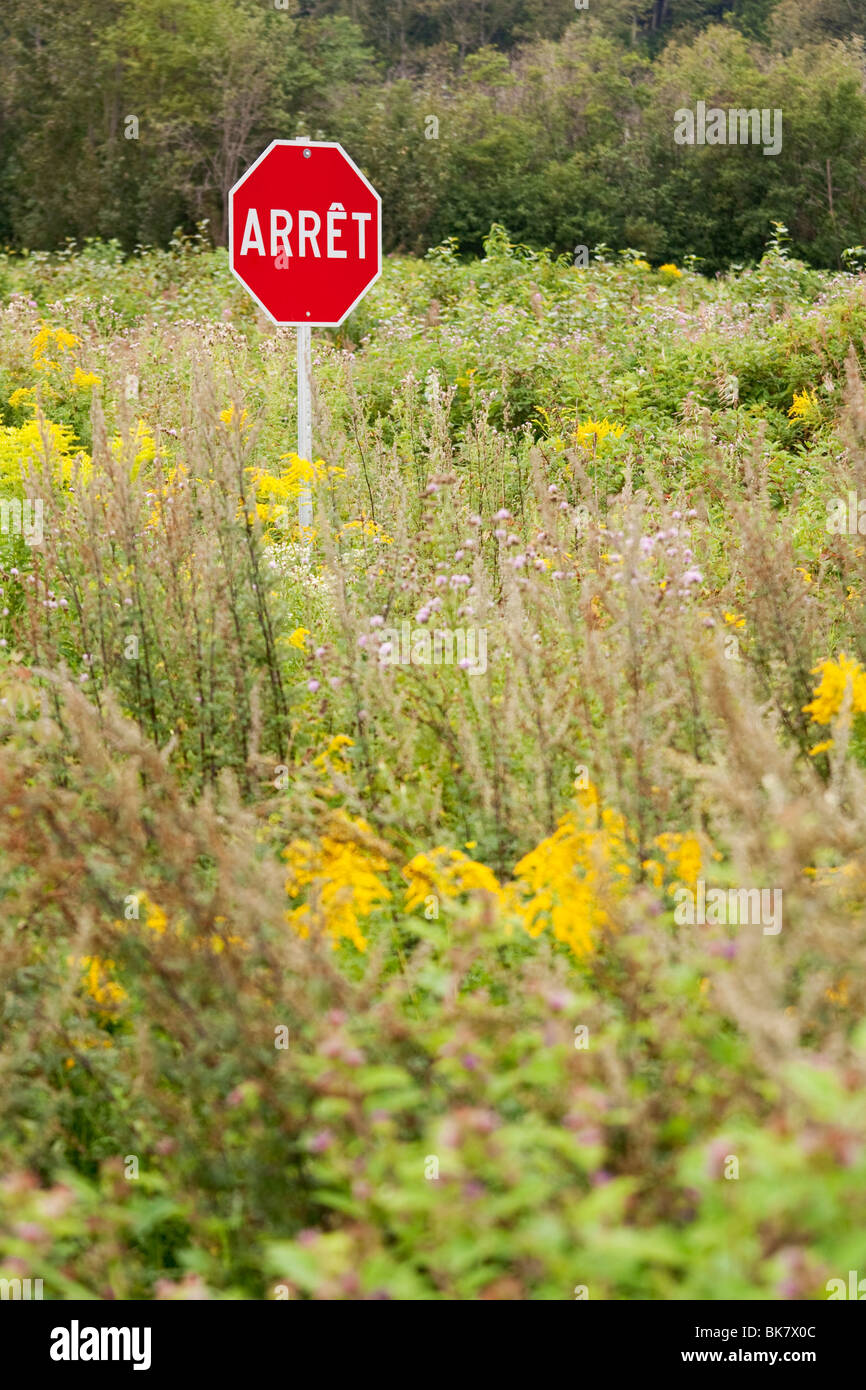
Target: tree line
{"points": [[129, 121]]}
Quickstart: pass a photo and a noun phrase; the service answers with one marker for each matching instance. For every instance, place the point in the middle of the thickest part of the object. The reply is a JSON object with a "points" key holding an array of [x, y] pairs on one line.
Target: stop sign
{"points": [[305, 233]]}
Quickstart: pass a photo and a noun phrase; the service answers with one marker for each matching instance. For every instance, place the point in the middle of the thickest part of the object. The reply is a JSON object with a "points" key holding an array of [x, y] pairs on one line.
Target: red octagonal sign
{"points": [[305, 233]]}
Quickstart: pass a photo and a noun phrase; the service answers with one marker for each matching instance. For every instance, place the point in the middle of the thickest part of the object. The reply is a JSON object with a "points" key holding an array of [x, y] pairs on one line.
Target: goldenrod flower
{"points": [[600, 429], [804, 405], [154, 917], [836, 676], [367, 528], [683, 856], [275, 491], [27, 445], [101, 988], [142, 445], [447, 873], [331, 759], [341, 876], [85, 380], [565, 882], [227, 417], [63, 342], [838, 994]]}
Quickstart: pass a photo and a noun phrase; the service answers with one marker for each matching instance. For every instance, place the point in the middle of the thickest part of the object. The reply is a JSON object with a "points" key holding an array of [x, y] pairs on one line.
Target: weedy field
{"points": [[463, 899]]}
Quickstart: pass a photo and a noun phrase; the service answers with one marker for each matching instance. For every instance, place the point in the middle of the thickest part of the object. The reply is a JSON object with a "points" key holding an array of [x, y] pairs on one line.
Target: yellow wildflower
{"points": [[447, 873], [276, 491], [84, 381], [804, 405], [331, 758], [63, 342], [102, 989], [141, 446], [341, 873], [154, 917], [594, 431], [836, 676], [683, 858], [364, 527], [35, 443], [565, 882]]}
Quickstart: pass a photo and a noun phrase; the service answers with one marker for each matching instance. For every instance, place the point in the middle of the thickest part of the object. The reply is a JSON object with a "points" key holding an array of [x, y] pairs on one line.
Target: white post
{"points": [[305, 418]]}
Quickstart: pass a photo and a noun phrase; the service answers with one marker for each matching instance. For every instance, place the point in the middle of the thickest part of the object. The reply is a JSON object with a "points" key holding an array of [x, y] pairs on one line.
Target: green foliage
{"points": [[630, 468], [557, 124]]}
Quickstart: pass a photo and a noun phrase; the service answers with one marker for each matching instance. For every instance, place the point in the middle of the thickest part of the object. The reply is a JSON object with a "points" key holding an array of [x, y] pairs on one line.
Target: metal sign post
{"points": [[305, 420]]}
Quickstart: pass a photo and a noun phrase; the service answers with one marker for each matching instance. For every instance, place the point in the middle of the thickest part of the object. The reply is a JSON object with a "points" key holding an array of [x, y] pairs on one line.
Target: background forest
{"points": [[129, 121]]}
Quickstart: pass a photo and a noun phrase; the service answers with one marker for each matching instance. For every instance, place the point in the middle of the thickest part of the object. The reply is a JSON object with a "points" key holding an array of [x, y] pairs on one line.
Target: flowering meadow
{"points": [[331, 975]]}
